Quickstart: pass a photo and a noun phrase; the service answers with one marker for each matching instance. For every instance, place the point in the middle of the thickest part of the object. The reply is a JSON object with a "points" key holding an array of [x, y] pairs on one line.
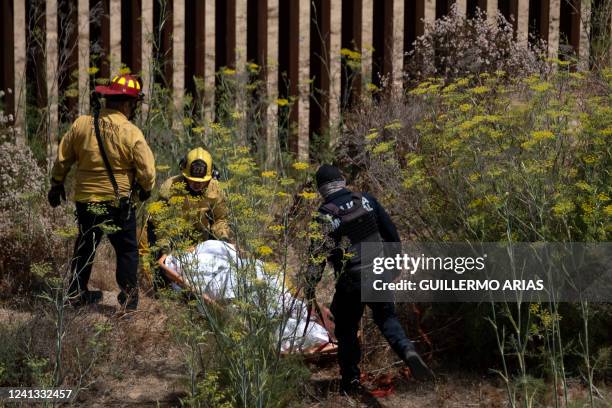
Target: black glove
{"points": [[56, 195], [143, 195]]}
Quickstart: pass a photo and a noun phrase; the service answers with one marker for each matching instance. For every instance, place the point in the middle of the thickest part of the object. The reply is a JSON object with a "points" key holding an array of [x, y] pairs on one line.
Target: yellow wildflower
{"points": [[587, 208], [237, 115], [268, 174], [474, 177], [542, 135], [216, 126], [577, 75], [271, 267], [413, 159], [450, 88], [479, 90], [372, 136], [276, 228], [563, 207], [176, 200], [71, 93], [396, 124], [383, 147], [93, 70], [300, 165], [477, 202], [308, 195], [68, 232], [228, 71], [282, 102], [350, 54], [162, 167], [582, 185], [264, 250], [156, 207]]}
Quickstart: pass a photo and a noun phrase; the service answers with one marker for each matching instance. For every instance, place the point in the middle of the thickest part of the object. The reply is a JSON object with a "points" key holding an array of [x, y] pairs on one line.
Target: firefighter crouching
{"points": [[359, 218], [204, 204], [100, 199]]}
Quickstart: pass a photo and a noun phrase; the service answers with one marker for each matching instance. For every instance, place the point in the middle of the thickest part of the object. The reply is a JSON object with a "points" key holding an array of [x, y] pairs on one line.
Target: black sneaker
{"points": [[417, 366], [87, 297]]}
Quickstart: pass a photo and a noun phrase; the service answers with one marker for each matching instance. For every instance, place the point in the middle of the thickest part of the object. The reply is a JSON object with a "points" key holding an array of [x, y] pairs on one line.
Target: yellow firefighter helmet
{"points": [[197, 165]]}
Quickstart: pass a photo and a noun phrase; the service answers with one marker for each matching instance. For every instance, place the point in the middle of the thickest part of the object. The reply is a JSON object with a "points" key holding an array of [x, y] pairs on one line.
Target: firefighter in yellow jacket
{"points": [[204, 203], [99, 199]]}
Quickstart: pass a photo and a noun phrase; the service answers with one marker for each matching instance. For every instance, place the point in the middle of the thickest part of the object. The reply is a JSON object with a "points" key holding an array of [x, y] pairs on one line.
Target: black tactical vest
{"points": [[355, 222]]}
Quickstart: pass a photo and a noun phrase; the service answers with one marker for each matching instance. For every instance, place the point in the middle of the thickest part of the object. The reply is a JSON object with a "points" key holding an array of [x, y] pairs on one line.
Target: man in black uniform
{"points": [[360, 218]]}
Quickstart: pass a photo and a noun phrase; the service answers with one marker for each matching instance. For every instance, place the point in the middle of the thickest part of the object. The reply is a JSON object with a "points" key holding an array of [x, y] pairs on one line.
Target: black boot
{"points": [[417, 366], [86, 297], [129, 302]]}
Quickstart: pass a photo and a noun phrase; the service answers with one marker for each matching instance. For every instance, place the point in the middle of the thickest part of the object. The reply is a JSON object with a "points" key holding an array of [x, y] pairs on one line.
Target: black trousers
{"points": [[347, 309], [122, 238]]}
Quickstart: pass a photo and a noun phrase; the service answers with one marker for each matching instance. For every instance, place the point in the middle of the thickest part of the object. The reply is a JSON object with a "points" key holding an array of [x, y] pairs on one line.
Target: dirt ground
{"points": [[144, 367]]}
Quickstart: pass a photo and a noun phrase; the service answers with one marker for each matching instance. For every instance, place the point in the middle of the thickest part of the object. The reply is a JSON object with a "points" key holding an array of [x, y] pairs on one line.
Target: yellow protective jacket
{"points": [[207, 211], [128, 153]]}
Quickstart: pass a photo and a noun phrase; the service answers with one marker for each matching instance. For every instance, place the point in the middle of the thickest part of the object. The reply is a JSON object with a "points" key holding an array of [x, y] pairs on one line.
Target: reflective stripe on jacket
{"points": [[127, 151]]}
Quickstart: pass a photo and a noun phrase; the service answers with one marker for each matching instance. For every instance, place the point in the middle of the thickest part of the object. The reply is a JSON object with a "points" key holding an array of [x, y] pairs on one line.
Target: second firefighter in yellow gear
{"points": [[197, 202], [203, 200]]}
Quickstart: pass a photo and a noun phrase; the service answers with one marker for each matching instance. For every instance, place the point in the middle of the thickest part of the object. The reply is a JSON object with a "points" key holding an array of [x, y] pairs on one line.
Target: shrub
{"points": [[454, 47], [28, 230], [500, 158], [527, 161], [247, 358]]}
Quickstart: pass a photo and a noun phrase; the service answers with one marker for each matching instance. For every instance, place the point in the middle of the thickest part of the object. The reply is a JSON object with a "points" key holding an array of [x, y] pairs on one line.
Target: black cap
{"points": [[327, 173]]}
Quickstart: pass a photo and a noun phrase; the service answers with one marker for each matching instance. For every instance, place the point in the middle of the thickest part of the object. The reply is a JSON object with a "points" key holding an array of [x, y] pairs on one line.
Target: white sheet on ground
{"points": [[211, 269]]}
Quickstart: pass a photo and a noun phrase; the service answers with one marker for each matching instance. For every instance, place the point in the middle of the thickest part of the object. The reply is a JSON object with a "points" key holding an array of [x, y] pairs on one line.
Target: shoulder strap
{"points": [[109, 169], [331, 208], [334, 210]]}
